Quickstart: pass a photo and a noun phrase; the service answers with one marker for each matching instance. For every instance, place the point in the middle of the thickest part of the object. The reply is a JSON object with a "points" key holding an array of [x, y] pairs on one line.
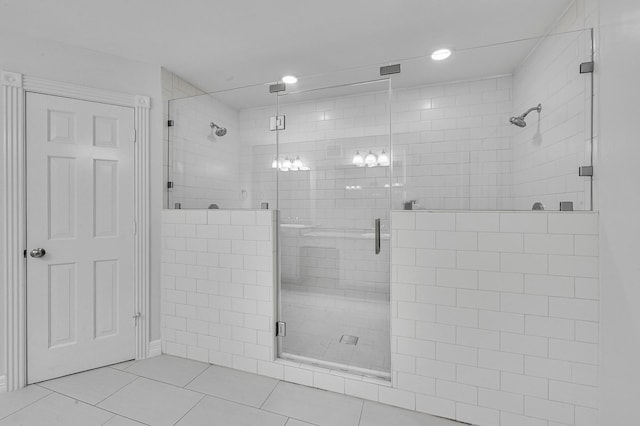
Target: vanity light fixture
{"points": [[441, 54], [289, 164], [289, 79]]}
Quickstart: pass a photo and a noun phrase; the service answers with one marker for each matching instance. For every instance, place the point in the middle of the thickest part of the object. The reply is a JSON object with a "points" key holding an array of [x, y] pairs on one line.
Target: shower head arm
{"points": [[530, 110]]}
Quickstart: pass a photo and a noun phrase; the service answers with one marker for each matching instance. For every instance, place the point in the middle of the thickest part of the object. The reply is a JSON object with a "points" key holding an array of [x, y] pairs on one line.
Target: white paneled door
{"points": [[80, 235]]}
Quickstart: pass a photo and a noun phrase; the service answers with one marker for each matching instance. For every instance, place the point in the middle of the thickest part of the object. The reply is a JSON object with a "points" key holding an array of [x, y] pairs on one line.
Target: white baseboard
{"points": [[155, 348], [3, 384]]}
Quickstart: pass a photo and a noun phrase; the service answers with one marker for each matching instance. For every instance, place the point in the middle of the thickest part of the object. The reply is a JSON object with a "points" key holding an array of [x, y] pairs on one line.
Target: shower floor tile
{"points": [[316, 322]]}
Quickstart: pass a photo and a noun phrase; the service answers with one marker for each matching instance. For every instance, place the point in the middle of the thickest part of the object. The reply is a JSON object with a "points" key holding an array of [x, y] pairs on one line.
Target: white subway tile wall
{"points": [[547, 153], [206, 168], [503, 330], [453, 147], [173, 87], [218, 286], [494, 348]]}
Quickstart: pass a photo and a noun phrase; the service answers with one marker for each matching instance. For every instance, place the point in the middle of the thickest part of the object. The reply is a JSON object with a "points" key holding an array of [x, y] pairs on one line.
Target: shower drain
{"points": [[349, 340]]}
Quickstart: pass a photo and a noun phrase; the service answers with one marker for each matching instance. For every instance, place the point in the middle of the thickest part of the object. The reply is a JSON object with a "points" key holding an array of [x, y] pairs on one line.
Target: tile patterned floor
{"points": [[173, 391], [316, 321]]}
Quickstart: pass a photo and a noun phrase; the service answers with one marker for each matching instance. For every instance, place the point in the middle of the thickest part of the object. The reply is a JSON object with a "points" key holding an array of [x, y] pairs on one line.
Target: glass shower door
{"points": [[334, 167]]}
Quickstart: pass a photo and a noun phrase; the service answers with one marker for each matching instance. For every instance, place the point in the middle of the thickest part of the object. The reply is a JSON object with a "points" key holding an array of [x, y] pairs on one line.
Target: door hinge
{"points": [[170, 123], [24, 253], [277, 122], [281, 328], [169, 185], [135, 136], [585, 171], [587, 67], [390, 69], [278, 87]]}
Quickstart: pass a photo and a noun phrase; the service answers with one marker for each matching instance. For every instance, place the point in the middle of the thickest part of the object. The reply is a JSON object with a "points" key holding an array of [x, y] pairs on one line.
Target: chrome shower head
{"points": [[519, 121], [219, 131]]}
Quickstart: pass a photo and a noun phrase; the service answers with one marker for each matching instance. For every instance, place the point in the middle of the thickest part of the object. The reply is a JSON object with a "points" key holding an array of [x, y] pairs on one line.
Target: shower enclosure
{"points": [[335, 153]]}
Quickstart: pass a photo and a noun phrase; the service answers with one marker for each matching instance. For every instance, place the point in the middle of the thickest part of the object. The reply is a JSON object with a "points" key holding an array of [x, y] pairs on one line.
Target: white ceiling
{"points": [[217, 44]]}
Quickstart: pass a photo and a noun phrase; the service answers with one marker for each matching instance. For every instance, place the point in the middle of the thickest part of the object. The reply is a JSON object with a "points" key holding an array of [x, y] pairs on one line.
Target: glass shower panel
{"points": [[221, 149], [455, 147], [334, 209]]}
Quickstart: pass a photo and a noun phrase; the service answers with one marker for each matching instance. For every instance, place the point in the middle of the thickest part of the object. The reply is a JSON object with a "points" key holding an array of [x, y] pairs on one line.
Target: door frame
{"points": [[14, 89]]}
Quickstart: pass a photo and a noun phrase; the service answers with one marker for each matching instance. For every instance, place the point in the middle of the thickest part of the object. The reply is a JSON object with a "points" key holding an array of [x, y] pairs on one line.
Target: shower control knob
{"points": [[38, 252]]}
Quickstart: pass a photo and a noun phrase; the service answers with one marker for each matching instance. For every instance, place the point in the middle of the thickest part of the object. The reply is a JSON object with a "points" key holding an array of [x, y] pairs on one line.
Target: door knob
{"points": [[39, 252]]}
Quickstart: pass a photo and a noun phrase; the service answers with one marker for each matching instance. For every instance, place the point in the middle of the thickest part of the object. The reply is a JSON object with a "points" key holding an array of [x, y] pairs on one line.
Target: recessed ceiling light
{"points": [[441, 54], [289, 79]]}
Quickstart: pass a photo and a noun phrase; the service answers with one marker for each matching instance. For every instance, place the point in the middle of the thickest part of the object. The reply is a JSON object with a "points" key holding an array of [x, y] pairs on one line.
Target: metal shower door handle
{"points": [[377, 236], [38, 252]]}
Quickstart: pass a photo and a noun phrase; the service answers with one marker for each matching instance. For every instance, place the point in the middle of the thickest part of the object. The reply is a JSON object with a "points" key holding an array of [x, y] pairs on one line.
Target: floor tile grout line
{"points": [[300, 420], [189, 410], [116, 391], [135, 361], [31, 403], [207, 394], [52, 392], [204, 394], [100, 408], [110, 418], [166, 383], [267, 398], [361, 411], [136, 377], [121, 415], [198, 375], [215, 396]]}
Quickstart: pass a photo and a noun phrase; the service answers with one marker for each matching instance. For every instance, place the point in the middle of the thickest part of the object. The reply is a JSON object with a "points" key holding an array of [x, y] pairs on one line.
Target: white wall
{"points": [[51, 60], [618, 68], [218, 286], [451, 149], [204, 169], [173, 87], [548, 152], [494, 315]]}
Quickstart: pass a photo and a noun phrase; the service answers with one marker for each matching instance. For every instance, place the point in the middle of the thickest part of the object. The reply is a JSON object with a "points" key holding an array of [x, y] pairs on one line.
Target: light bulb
{"points": [[274, 163], [383, 159], [358, 160], [289, 79], [371, 159], [441, 54], [287, 163], [297, 163]]}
